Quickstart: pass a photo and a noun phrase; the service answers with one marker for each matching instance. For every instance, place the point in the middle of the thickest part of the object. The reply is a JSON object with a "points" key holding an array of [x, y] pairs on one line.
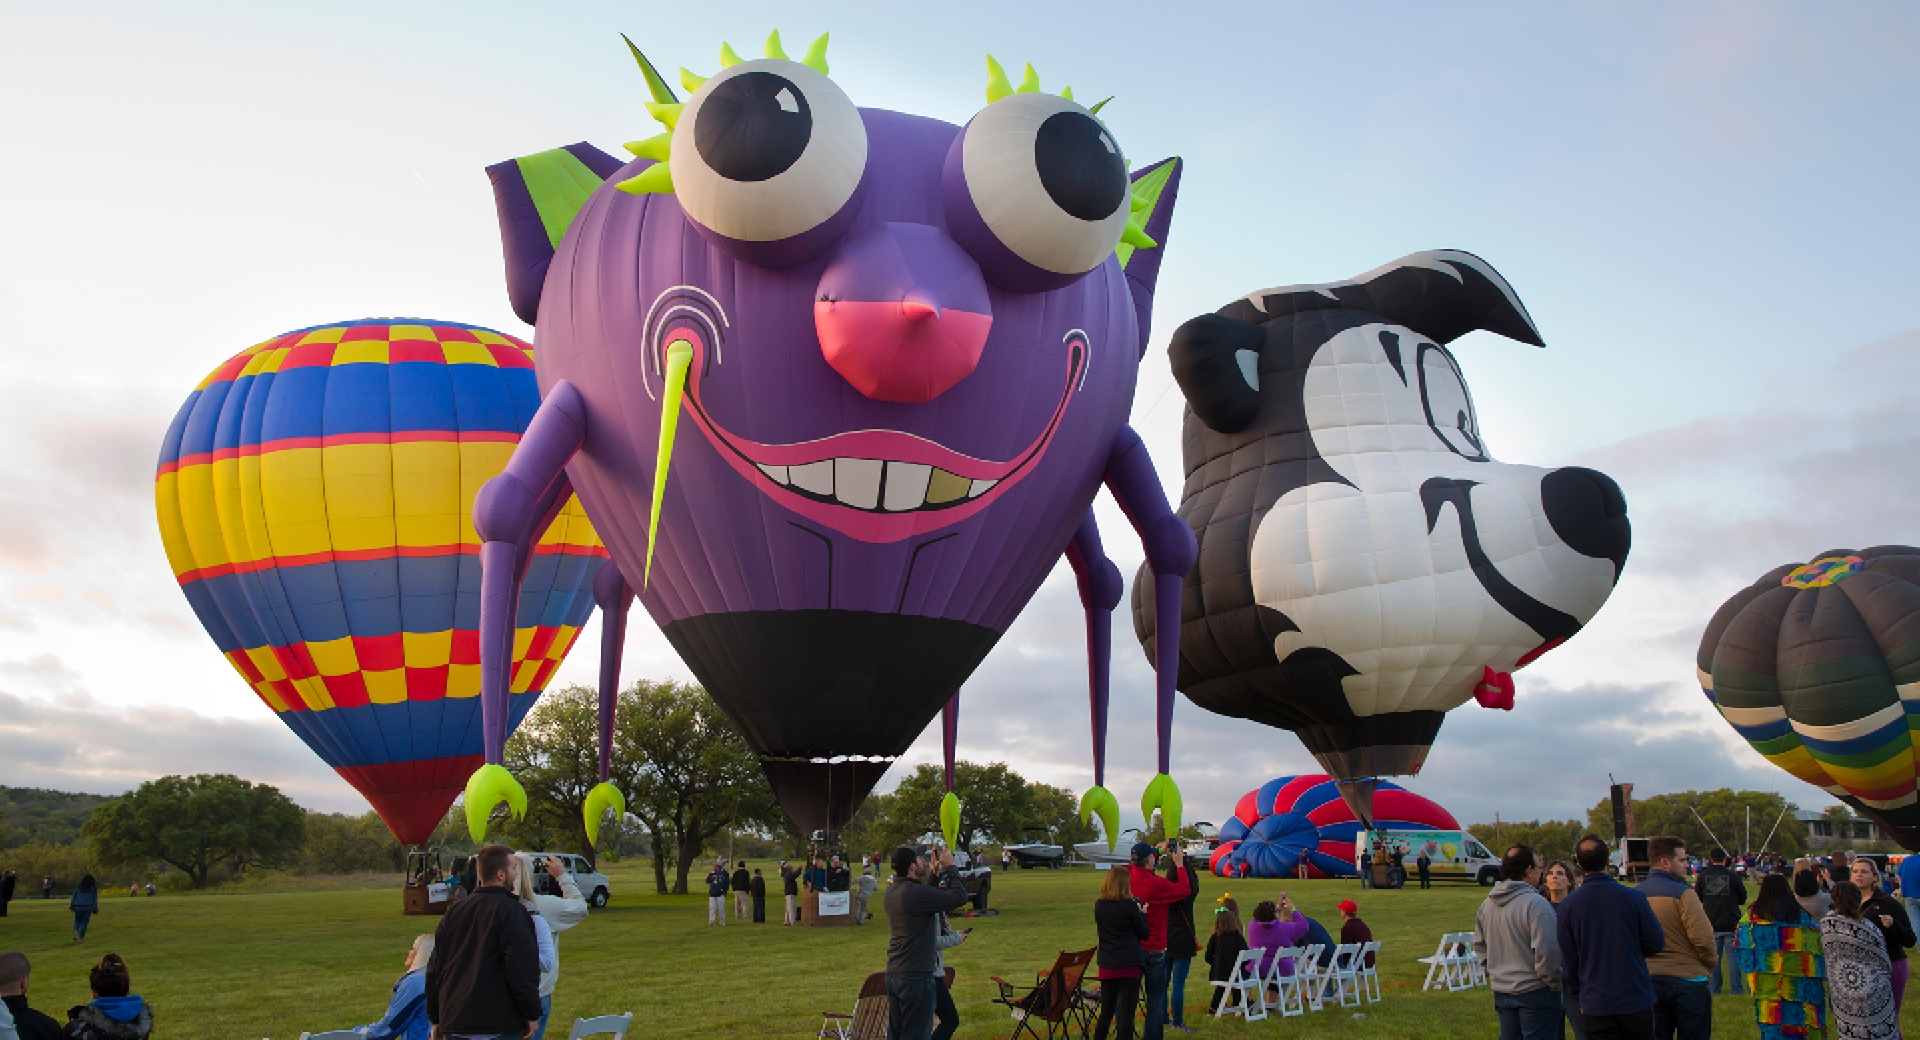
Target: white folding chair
{"points": [[606, 1025], [1344, 973], [1313, 980], [333, 1034], [1439, 966], [1283, 978], [1370, 970], [1477, 971], [1243, 987]]}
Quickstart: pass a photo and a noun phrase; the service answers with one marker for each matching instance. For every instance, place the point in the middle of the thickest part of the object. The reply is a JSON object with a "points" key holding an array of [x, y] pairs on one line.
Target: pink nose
{"points": [[902, 313]]}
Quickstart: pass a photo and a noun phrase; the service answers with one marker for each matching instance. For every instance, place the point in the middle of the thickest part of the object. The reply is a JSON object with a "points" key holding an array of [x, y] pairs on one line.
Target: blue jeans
{"points": [[1177, 990], [80, 919], [1913, 912], [910, 1002], [1682, 1008], [1723, 949], [1535, 1015], [1154, 981], [1366, 876], [546, 1012]]}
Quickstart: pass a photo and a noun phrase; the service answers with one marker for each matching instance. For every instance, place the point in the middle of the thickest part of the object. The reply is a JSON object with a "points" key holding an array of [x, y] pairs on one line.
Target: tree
{"points": [[1058, 810], [695, 774], [1553, 839], [1726, 814], [195, 823], [338, 844], [997, 805]]}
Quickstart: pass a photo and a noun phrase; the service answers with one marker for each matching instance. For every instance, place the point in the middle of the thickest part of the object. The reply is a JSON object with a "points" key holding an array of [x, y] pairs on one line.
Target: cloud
{"points": [[77, 744]]}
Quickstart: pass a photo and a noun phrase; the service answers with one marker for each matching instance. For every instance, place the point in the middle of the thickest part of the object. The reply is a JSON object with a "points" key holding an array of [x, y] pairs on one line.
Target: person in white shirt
{"points": [[551, 915]]}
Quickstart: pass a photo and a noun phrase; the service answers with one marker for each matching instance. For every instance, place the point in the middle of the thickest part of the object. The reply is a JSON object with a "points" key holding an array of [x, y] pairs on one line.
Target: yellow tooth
{"points": [[945, 487], [679, 358]]}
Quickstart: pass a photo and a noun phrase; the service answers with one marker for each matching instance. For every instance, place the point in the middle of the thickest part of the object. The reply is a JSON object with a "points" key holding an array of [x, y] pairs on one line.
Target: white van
{"points": [[1455, 855], [593, 885]]}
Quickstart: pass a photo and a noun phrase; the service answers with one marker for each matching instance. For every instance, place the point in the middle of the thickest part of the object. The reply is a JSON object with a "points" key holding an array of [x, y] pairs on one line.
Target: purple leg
{"points": [[1171, 550], [950, 732], [611, 593], [509, 513], [1100, 588]]}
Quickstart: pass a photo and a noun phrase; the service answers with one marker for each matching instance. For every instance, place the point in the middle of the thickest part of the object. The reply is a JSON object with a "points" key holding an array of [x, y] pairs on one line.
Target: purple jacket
{"points": [[1268, 936]]}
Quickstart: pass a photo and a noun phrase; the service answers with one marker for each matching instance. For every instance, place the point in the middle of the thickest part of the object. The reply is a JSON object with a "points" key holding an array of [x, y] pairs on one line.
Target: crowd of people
{"points": [[115, 1012], [1820, 947], [820, 874]]}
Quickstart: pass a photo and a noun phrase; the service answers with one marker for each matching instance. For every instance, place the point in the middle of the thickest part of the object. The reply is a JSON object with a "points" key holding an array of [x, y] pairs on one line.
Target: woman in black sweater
{"points": [[1122, 928], [1891, 917]]}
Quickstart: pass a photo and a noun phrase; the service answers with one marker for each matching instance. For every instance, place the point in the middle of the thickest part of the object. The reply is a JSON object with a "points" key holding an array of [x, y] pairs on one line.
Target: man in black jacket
{"points": [[30, 1024], [757, 888], [913, 918], [1722, 894], [741, 883], [484, 976]]}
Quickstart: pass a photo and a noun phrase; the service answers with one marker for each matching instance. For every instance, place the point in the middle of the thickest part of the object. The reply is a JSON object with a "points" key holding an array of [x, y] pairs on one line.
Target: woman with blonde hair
{"points": [[406, 1017], [1121, 928], [1885, 913], [520, 881]]}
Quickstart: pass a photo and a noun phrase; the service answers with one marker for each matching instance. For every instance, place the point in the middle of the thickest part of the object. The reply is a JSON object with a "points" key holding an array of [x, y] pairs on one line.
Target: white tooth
{"points": [[906, 485], [816, 477], [856, 482], [777, 473], [981, 487]]}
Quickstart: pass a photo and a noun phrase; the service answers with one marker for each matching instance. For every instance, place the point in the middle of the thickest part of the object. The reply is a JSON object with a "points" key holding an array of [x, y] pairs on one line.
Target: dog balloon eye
{"points": [[765, 151], [1036, 189], [1449, 407]]}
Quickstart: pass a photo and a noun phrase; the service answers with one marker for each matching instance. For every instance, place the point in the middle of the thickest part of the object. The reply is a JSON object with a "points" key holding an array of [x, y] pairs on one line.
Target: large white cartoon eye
{"points": [[1449, 408], [767, 150], [1046, 181]]}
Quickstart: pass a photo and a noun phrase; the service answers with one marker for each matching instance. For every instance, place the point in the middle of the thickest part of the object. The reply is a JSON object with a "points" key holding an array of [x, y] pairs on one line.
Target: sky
{"points": [[1706, 206]]}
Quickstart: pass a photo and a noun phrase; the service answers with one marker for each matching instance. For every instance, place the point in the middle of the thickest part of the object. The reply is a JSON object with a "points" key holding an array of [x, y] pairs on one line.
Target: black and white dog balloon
{"points": [[1365, 565]]}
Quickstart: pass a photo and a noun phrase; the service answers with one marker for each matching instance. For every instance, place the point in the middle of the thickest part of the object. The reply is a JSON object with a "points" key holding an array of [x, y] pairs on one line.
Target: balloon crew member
{"points": [[790, 890], [717, 885], [1155, 894], [742, 885], [1224, 946], [757, 890], [913, 909]]}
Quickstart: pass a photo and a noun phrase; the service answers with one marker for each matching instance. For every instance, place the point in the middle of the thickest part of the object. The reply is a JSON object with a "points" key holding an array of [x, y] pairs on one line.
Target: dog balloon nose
{"points": [[1589, 513], [919, 304]]}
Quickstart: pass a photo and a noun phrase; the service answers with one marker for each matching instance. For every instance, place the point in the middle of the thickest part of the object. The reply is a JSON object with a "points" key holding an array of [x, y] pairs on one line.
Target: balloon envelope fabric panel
{"points": [[1294, 820], [315, 498], [1817, 666]]}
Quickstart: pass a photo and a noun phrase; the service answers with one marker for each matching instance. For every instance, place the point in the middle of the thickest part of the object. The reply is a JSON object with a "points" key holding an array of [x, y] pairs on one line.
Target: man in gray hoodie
{"points": [[1514, 936]]}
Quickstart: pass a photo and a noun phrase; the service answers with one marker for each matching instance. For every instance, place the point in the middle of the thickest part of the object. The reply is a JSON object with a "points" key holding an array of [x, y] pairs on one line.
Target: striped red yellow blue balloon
{"points": [[315, 497]]}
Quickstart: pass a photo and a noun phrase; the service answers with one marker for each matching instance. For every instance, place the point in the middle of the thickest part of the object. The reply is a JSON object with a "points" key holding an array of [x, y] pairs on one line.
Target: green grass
{"points": [[274, 960]]}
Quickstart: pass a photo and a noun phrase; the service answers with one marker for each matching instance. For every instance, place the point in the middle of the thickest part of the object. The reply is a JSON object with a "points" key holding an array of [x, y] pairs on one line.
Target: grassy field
{"points": [[274, 961]]}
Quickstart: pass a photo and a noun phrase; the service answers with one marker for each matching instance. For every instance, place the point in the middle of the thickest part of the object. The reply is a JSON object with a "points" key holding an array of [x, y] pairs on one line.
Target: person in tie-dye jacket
{"points": [[1777, 950]]}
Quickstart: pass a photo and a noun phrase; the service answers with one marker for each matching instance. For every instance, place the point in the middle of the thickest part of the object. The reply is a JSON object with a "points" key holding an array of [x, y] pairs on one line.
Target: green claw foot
{"points": [[1098, 801], [487, 787], [950, 818], [1163, 794], [604, 796]]}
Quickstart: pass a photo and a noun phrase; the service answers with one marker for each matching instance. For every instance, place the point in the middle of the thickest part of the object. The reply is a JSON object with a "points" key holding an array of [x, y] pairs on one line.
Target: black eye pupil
{"points": [[753, 127], [1079, 165]]}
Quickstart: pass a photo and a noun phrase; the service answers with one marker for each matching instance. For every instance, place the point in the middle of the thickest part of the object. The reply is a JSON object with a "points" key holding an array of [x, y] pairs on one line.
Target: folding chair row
{"points": [[1453, 965]]}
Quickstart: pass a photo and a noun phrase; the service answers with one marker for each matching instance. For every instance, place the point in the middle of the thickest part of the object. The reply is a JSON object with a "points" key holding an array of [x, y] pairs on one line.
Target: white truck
{"points": [[1455, 855]]}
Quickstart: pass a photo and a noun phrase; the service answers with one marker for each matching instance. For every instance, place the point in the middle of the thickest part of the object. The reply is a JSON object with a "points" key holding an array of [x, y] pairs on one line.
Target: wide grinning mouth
{"points": [[880, 485]]}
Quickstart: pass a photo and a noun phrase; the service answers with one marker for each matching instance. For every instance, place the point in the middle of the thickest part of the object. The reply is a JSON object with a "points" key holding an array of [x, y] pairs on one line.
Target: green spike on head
{"points": [[1100, 104], [728, 59], [604, 796], [1067, 93], [816, 58], [667, 114], [691, 80], [654, 180], [679, 359], [997, 85], [487, 787], [950, 818], [662, 94], [773, 49], [1029, 81], [1162, 794], [1098, 801], [657, 147]]}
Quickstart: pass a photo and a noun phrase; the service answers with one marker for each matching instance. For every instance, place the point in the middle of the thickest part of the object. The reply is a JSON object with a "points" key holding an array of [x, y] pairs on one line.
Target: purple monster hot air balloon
{"points": [[906, 351]]}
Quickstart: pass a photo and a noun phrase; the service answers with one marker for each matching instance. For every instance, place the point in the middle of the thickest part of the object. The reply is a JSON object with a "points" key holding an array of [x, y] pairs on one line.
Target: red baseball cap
{"points": [[1347, 906]]}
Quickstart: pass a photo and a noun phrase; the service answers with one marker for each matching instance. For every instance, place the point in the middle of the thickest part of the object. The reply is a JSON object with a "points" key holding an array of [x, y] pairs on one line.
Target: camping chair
{"points": [[1344, 972], [605, 1025], [1054, 998], [1289, 995], [1313, 979], [1245, 983], [1370, 970], [869, 1018]]}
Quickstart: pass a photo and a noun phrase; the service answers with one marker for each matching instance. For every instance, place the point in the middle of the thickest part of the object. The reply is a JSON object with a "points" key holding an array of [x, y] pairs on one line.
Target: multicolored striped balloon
{"points": [[1295, 820], [315, 496], [1817, 665]]}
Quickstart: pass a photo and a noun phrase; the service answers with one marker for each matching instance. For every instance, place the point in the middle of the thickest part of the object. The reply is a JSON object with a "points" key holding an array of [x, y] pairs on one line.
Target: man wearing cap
{"points": [[1354, 931], [1155, 893]]}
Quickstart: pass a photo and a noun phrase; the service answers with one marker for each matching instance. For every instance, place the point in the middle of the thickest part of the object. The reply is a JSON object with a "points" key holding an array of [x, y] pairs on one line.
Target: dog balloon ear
{"points": [[1216, 361], [1440, 293]]}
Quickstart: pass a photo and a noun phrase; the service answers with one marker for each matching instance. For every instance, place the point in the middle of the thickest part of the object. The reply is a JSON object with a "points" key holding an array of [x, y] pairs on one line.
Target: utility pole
{"points": [[1747, 842], [1496, 828]]}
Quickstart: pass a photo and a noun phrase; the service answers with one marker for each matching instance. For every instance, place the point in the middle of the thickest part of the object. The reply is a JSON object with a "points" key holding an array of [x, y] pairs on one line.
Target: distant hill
{"points": [[30, 815]]}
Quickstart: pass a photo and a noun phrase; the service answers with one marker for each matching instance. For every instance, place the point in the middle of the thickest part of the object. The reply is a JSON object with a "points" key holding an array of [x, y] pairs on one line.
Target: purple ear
{"points": [[965, 225], [524, 241]]}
